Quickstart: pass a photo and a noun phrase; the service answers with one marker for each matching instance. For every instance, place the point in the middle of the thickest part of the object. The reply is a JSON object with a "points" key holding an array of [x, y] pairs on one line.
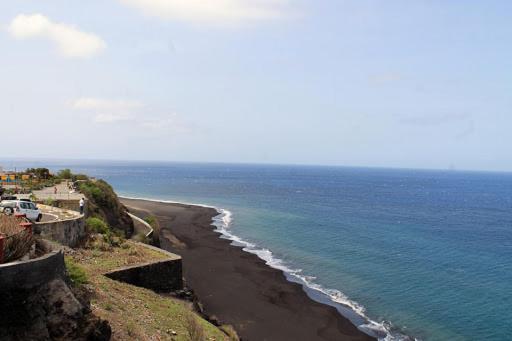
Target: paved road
{"points": [[63, 193]]}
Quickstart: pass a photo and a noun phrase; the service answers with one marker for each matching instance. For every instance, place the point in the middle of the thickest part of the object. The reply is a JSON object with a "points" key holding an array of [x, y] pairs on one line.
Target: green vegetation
{"points": [[195, 331], [79, 177], [136, 313], [109, 238], [49, 202], [41, 173], [103, 203], [75, 272], [65, 174], [100, 192], [97, 225], [141, 238], [153, 221]]}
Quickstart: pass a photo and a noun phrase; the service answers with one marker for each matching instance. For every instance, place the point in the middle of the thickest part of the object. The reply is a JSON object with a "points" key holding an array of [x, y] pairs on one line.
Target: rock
{"points": [[51, 313]]}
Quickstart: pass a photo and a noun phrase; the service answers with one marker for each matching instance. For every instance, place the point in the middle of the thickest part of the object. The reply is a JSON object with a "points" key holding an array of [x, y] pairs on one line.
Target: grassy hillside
{"points": [[135, 313]]}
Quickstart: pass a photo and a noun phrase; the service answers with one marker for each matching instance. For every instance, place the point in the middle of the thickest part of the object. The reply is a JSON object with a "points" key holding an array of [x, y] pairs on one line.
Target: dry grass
{"points": [[9, 225], [136, 313], [230, 332], [195, 331], [18, 242]]}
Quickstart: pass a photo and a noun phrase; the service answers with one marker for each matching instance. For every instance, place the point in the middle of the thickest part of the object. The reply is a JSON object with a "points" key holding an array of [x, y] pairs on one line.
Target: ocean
{"points": [[421, 253]]}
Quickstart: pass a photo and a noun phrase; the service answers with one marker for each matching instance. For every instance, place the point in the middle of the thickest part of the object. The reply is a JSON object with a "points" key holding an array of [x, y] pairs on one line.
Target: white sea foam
{"points": [[350, 309]]}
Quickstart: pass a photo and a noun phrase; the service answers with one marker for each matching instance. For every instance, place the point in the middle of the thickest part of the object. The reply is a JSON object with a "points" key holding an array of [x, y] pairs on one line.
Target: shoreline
{"points": [[214, 229]]}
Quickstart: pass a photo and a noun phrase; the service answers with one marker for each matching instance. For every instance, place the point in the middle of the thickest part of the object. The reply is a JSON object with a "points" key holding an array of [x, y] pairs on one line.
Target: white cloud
{"points": [[70, 41], [135, 113], [90, 103], [219, 11], [112, 118], [108, 110]]}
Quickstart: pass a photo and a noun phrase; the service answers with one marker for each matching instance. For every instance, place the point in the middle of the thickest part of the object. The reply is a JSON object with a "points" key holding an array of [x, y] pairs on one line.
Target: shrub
{"points": [[103, 202], [195, 331], [141, 237], [49, 183], [80, 177], [153, 221], [76, 273], [97, 225], [64, 174], [36, 187], [97, 192], [50, 202], [108, 237], [18, 242], [41, 173]]}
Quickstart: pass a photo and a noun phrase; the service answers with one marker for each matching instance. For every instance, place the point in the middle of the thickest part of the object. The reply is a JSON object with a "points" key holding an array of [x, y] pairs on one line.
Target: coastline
{"points": [[271, 302]]}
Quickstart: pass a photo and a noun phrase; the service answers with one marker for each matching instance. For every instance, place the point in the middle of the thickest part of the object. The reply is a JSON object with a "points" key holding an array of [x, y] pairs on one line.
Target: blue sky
{"points": [[419, 84]]}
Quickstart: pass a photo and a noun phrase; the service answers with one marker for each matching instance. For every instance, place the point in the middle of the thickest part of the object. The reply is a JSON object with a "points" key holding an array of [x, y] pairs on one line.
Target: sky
{"points": [[397, 83]]}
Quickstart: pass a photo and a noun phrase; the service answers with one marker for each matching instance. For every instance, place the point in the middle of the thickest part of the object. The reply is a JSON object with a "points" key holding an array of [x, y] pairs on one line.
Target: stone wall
{"points": [[160, 276], [32, 273], [70, 232], [64, 204]]}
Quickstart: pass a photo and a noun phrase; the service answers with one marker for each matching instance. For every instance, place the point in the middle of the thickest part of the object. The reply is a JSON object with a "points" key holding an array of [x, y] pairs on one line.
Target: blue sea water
{"points": [[424, 253]]}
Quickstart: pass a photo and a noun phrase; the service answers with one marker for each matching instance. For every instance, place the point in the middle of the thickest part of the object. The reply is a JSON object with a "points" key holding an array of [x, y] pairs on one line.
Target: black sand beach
{"points": [[238, 288]]}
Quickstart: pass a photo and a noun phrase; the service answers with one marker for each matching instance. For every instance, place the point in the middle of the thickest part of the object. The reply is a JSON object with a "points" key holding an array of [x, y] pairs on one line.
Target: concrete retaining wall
{"points": [[150, 231], [161, 276], [64, 204], [70, 232], [32, 273]]}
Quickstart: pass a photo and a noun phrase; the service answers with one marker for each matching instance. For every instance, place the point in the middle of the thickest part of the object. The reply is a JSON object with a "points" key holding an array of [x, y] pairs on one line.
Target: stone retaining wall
{"points": [[64, 204], [160, 276], [32, 273], [70, 232]]}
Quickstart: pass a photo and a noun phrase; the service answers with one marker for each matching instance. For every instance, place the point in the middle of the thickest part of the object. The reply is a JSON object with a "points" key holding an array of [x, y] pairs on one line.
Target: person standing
{"points": [[82, 204]]}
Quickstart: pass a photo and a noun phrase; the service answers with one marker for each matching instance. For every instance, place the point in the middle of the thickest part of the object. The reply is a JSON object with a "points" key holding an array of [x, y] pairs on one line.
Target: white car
{"points": [[28, 208]]}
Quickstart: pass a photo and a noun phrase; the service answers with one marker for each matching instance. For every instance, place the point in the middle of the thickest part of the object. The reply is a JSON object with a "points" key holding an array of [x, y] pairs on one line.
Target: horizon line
{"points": [[298, 164]]}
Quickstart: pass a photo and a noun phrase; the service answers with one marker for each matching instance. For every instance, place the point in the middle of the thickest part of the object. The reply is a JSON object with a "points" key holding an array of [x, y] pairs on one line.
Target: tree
{"points": [[41, 173], [65, 174]]}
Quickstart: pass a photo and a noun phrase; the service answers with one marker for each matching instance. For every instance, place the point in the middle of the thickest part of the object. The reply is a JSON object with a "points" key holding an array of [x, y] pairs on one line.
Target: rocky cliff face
{"points": [[50, 312]]}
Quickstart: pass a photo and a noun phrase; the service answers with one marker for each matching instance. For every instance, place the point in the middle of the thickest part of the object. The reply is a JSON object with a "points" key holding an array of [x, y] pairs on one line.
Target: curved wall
{"points": [[32, 273]]}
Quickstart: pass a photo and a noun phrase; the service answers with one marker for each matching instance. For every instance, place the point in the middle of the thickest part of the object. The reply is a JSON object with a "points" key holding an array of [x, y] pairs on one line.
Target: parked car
{"points": [[9, 197], [30, 209]]}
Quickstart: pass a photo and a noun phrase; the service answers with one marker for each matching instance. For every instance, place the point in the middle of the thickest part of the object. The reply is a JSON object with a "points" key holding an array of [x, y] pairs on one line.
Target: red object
{"points": [[20, 215], [2, 239], [27, 227]]}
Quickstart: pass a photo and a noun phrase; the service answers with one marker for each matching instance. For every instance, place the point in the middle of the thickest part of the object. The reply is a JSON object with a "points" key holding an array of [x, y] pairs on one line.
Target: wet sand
{"points": [[237, 287]]}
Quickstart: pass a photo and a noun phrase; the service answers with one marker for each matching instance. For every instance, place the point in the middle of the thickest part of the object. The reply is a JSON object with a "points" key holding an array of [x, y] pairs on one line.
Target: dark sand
{"points": [[237, 287]]}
